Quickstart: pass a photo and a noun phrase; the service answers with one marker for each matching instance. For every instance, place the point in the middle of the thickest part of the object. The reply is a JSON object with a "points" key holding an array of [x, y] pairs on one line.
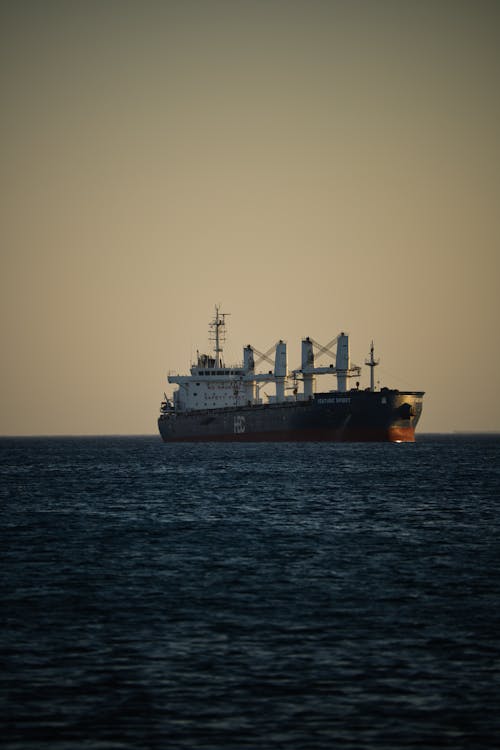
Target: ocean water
{"points": [[219, 596]]}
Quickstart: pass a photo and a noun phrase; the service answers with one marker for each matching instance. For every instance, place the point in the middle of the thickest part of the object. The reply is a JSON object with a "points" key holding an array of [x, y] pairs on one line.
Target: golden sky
{"points": [[312, 166]]}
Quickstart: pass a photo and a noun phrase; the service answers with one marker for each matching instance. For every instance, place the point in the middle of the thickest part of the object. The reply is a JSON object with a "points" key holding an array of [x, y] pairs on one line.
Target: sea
{"points": [[265, 596]]}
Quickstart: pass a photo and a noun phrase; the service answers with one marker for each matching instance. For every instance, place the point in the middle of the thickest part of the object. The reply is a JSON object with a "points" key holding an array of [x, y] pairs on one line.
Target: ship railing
{"points": [[237, 366]]}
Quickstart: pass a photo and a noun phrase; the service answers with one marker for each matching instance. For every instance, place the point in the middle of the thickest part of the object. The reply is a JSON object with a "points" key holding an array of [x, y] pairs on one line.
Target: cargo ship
{"points": [[219, 402]]}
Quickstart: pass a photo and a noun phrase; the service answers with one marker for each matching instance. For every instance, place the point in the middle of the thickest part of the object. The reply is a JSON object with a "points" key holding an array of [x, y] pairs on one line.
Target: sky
{"points": [[310, 166]]}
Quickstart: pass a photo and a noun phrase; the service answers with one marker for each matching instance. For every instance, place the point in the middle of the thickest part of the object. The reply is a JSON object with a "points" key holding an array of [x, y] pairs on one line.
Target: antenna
{"points": [[218, 335], [372, 363]]}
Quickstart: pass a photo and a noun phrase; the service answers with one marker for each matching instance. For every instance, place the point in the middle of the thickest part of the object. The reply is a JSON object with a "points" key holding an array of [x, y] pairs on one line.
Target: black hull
{"points": [[355, 416]]}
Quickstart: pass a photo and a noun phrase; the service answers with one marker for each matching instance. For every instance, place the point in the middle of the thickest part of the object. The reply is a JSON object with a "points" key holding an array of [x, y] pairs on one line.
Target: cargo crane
{"points": [[342, 368], [280, 372]]}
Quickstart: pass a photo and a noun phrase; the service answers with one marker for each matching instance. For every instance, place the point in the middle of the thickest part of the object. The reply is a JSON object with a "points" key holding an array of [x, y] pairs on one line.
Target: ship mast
{"points": [[218, 336], [372, 363]]}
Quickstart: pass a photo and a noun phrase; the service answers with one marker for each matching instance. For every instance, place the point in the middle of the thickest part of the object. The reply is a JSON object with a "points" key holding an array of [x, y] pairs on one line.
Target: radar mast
{"points": [[218, 335], [372, 363]]}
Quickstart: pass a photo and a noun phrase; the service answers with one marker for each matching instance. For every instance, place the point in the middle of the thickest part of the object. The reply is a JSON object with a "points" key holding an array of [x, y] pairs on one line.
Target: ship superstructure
{"points": [[216, 401]]}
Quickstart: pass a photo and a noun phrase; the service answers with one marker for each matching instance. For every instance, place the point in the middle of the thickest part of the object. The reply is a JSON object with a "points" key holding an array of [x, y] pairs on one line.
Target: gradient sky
{"points": [[311, 166]]}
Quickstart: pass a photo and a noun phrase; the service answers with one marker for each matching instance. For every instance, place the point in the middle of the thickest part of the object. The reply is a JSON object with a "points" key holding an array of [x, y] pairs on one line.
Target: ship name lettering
{"points": [[239, 425], [346, 400]]}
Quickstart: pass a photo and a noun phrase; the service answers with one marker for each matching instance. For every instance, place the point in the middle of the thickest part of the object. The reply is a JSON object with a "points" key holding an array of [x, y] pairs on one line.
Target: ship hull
{"points": [[354, 416]]}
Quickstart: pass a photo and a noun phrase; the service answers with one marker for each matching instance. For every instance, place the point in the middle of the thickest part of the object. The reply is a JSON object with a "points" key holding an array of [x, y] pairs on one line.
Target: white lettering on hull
{"points": [[239, 425], [343, 400]]}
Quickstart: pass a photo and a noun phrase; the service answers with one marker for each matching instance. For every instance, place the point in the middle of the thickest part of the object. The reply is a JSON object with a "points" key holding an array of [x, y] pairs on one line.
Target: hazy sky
{"points": [[311, 166]]}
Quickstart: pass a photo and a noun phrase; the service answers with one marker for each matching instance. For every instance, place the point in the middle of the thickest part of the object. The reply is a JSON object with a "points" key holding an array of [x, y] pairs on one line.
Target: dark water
{"points": [[250, 596]]}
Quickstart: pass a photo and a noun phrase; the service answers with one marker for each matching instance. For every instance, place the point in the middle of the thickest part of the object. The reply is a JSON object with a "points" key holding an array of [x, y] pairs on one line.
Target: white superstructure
{"points": [[212, 384]]}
